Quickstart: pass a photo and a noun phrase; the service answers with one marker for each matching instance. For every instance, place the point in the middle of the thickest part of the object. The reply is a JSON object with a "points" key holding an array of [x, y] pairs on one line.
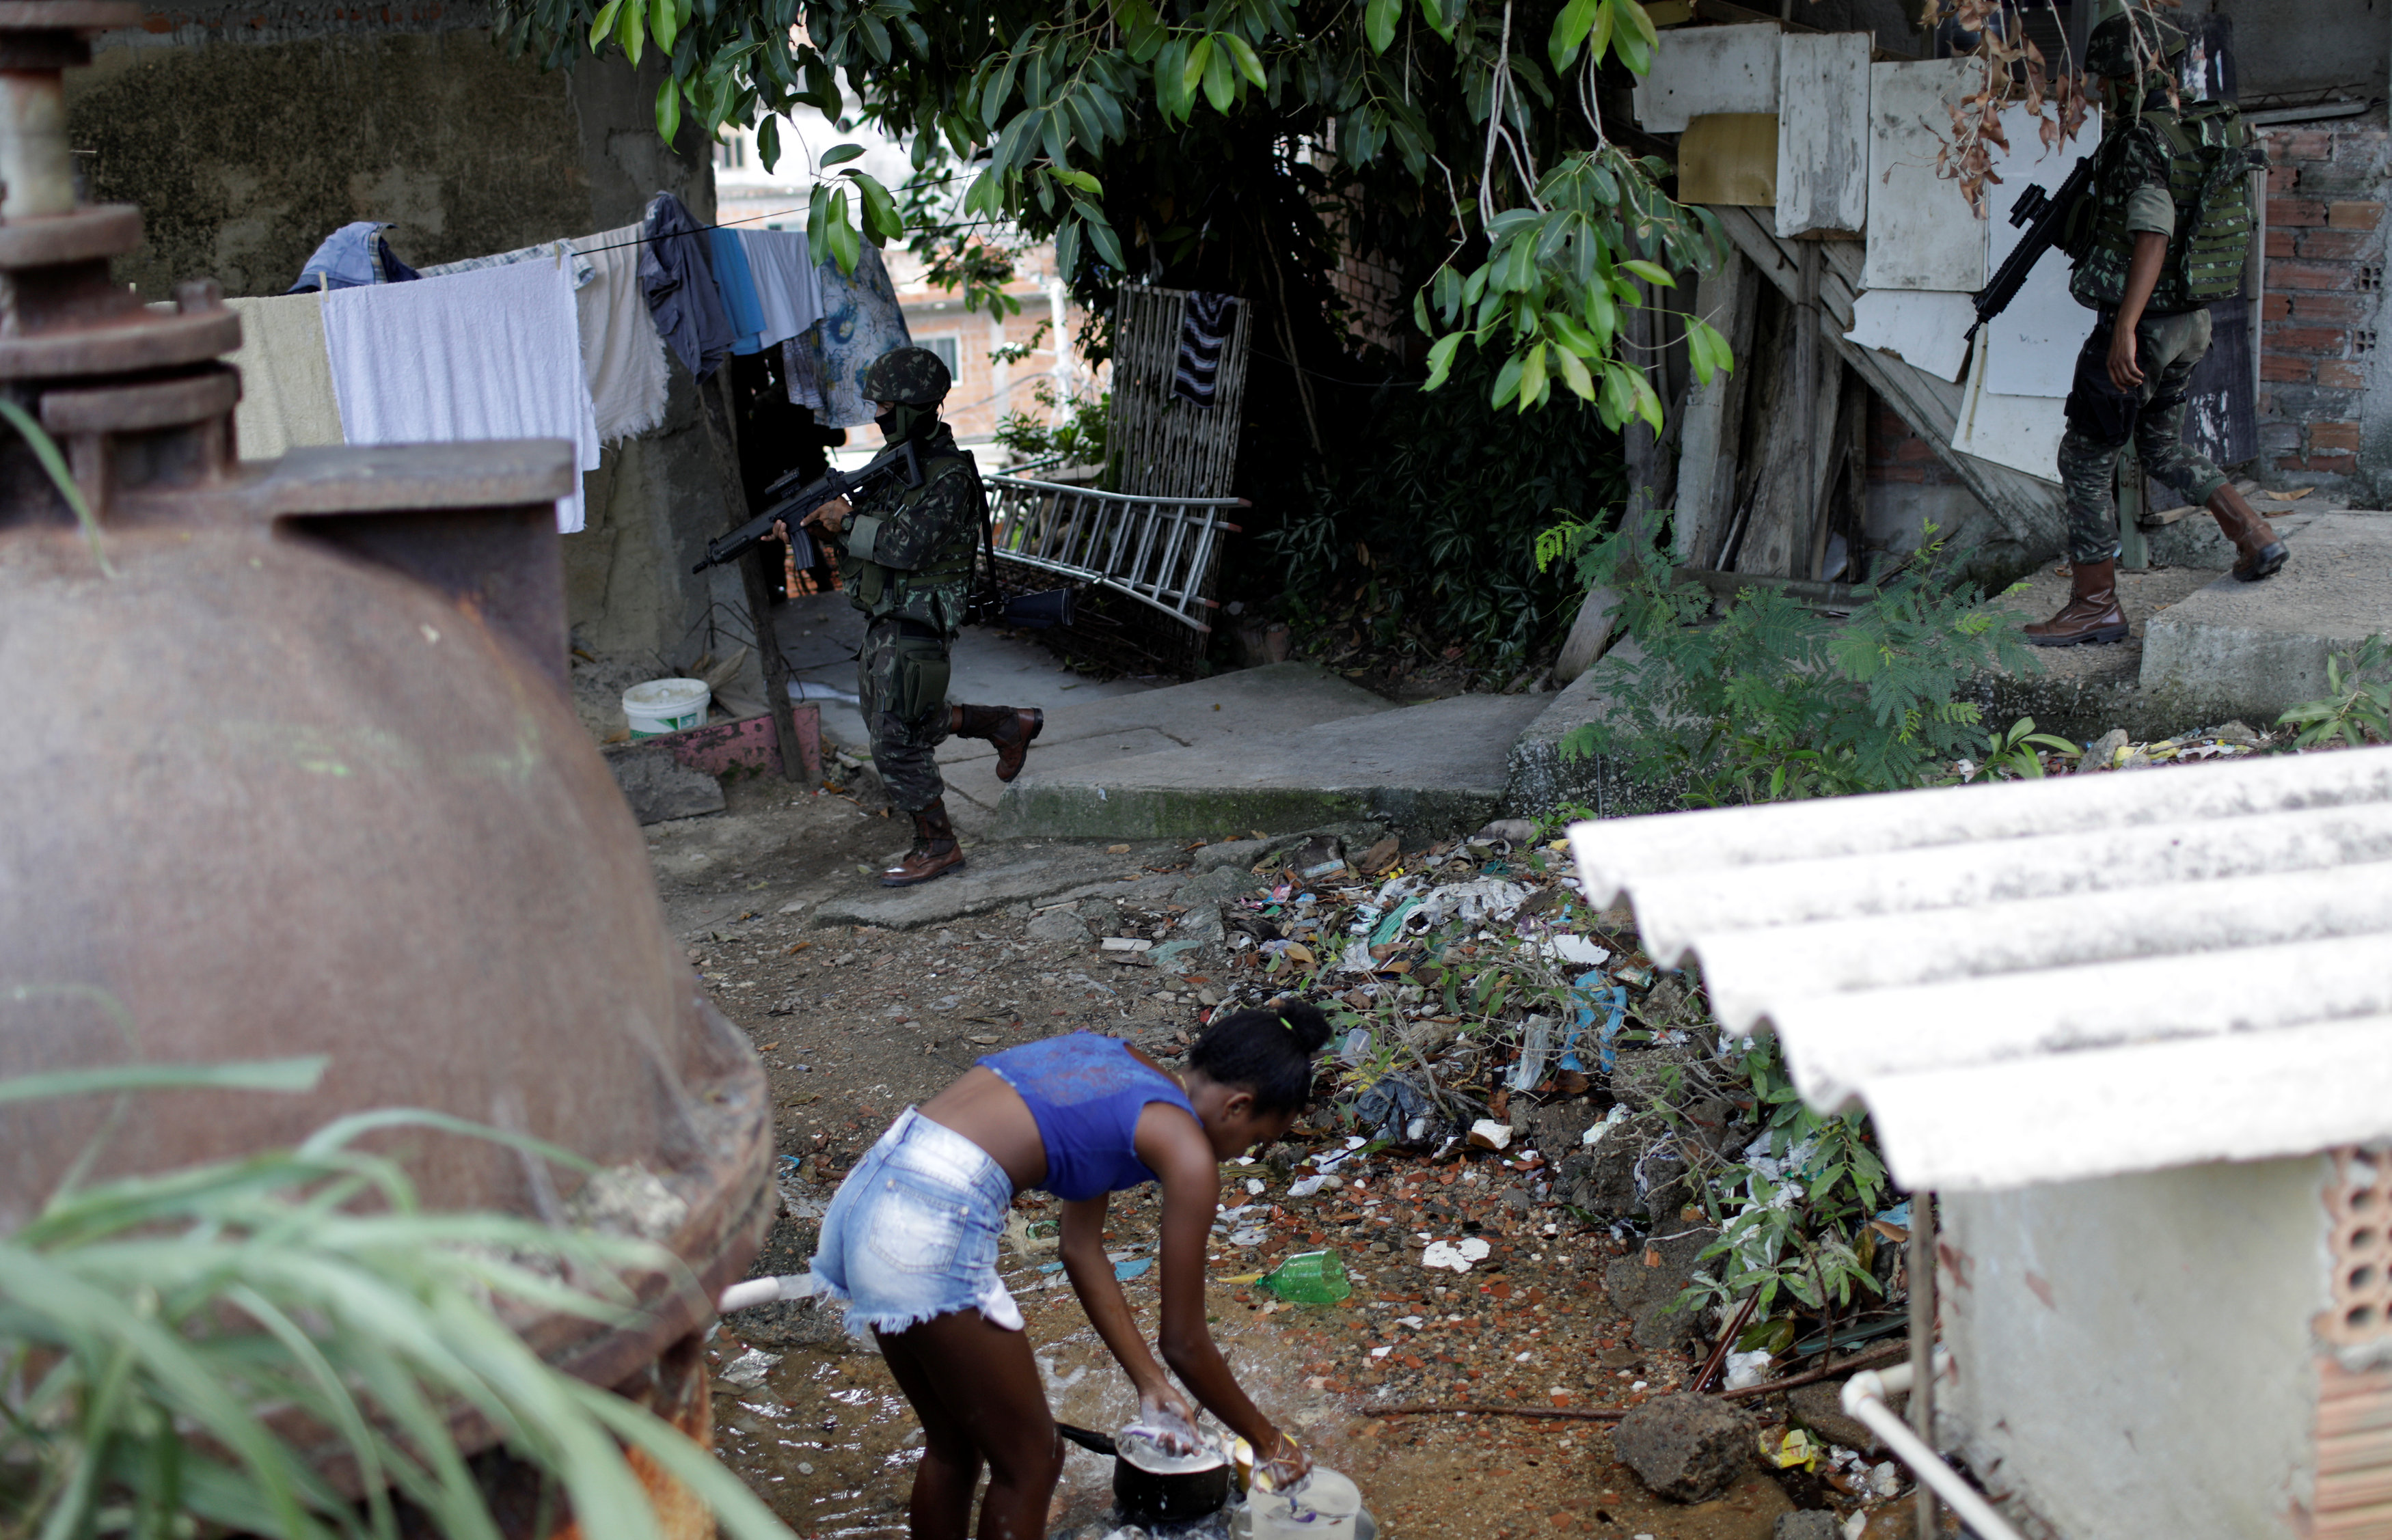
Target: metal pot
{"points": [[1144, 1496]]}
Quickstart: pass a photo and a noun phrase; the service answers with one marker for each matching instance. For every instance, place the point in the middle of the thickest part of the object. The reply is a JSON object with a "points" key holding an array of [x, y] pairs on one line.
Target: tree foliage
{"points": [[1239, 143]]}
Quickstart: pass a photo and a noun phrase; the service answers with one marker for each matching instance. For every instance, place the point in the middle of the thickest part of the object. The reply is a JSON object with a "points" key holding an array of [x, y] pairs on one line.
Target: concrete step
{"points": [[1423, 770], [2250, 650]]}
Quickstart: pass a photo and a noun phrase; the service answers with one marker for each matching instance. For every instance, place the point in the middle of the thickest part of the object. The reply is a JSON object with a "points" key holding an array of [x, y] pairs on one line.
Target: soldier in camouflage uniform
{"points": [[2134, 371], [907, 561]]}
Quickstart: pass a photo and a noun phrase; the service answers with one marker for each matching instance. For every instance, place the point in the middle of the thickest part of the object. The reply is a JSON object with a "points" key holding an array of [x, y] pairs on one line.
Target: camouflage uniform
{"points": [[2132, 195], [907, 559]]}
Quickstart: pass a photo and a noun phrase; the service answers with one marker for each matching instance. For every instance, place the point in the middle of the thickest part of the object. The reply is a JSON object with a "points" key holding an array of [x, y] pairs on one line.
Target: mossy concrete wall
{"points": [[248, 134]]}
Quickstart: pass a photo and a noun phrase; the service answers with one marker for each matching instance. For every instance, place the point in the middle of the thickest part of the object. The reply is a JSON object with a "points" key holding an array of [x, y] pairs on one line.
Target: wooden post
{"points": [[1922, 1344], [2134, 547]]}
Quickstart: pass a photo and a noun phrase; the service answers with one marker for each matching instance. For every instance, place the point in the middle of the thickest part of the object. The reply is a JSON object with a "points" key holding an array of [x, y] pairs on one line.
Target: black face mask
{"points": [[902, 422]]}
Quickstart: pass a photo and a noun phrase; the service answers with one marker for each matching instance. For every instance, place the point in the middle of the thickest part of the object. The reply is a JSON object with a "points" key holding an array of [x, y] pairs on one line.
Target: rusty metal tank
{"points": [[289, 768]]}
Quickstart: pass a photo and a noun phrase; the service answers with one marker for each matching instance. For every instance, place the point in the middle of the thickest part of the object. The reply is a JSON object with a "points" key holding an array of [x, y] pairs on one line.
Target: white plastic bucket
{"points": [[665, 705]]}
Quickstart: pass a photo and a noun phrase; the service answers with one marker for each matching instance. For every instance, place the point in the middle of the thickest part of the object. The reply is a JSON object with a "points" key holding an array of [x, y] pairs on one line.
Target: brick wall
{"points": [[1897, 456], [2325, 280]]}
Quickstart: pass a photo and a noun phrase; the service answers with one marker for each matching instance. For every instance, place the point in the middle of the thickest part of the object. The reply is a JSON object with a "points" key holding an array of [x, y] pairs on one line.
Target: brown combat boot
{"points": [[2257, 550], [2091, 614], [935, 850], [1009, 728]]}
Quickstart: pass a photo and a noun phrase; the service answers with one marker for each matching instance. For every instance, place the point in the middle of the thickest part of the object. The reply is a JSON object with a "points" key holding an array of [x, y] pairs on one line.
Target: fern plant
{"points": [[178, 1349], [1772, 701]]}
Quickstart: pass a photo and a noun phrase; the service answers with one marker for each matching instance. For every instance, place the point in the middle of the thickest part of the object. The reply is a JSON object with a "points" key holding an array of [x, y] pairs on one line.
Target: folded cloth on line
{"points": [[351, 256], [861, 320], [622, 353], [490, 353], [1205, 326], [783, 272], [677, 276], [738, 286], [546, 251], [286, 379]]}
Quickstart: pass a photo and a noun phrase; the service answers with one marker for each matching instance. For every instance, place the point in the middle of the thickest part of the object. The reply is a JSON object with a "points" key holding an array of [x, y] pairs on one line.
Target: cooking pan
{"points": [[1145, 1496]]}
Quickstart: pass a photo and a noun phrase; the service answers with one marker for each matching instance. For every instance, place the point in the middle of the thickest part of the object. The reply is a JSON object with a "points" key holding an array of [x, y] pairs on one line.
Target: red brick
{"points": [[1882, 473], [2335, 245], [2301, 144], [2279, 244], [2291, 372], [2286, 211], [2329, 436], [2353, 215], [2275, 307], [2341, 309], [1909, 449], [2330, 465], [2287, 337], [2340, 374], [2279, 179], [2331, 277]]}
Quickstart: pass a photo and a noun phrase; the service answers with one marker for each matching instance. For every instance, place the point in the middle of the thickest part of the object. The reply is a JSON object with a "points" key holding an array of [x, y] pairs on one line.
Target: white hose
{"points": [[764, 1291], [1865, 1398]]}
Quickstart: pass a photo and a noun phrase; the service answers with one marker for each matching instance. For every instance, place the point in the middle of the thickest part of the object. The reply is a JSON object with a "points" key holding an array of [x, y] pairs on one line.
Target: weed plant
{"points": [[180, 1351]]}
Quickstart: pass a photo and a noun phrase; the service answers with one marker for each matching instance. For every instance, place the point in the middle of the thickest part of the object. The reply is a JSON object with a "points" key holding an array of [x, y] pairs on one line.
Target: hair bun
{"points": [[1308, 1024]]}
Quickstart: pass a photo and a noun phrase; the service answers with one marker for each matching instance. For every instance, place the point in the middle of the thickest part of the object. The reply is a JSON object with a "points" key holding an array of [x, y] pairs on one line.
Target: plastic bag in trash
{"points": [[1397, 1111], [1601, 1007]]}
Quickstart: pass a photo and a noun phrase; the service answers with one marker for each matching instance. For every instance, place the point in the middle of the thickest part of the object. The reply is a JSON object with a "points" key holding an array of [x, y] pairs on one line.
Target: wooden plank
{"points": [[1922, 235], [1823, 134], [2028, 508], [1714, 412], [1707, 69]]}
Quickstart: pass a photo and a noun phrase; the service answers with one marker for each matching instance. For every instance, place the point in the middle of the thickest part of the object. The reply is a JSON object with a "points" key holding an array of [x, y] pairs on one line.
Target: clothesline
{"points": [[750, 219]]}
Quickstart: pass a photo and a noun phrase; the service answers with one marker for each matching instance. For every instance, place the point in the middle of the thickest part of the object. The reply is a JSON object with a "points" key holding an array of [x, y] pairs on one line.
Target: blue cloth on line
{"points": [[735, 281], [861, 320], [351, 257], [677, 278], [1085, 1092]]}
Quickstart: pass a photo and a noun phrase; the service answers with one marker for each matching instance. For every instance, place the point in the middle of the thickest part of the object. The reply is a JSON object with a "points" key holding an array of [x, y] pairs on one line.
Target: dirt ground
{"points": [[856, 1023]]}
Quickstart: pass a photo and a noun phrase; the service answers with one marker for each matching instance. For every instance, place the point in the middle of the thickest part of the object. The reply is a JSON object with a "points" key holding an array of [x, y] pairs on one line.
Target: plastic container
{"points": [[666, 706], [1309, 1279], [1324, 1506]]}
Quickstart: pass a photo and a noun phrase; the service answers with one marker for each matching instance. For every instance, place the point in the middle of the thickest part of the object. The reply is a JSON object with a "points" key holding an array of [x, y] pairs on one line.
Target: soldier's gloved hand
{"points": [[831, 516]]}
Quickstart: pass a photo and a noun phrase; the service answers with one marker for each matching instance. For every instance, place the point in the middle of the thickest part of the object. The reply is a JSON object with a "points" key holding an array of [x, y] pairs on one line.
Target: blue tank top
{"points": [[1085, 1092]]}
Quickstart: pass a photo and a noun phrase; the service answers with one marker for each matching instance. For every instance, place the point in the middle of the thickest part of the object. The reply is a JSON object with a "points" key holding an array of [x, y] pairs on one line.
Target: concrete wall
{"points": [[2287, 47], [2134, 1355], [248, 134]]}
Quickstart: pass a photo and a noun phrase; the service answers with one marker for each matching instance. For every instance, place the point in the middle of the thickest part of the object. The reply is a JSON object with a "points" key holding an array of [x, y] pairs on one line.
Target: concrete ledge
{"points": [[1424, 770], [2250, 650]]}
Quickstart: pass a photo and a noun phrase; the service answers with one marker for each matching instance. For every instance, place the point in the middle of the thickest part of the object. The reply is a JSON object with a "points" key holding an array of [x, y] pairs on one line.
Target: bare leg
{"points": [[977, 1389]]}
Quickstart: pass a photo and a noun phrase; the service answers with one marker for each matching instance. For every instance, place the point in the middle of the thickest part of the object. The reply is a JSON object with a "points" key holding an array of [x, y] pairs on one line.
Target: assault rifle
{"points": [[898, 460], [2047, 219]]}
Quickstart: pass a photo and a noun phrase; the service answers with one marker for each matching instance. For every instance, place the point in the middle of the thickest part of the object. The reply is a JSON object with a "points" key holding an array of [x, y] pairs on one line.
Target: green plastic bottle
{"points": [[1308, 1278]]}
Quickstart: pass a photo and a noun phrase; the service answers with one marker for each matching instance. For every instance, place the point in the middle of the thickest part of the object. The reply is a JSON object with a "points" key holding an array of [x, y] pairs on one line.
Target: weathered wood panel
{"points": [[1714, 413], [1922, 235], [1823, 134], [1699, 71]]}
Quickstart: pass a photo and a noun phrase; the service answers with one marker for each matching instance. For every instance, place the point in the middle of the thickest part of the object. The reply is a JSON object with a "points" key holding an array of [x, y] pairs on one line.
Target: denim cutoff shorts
{"points": [[912, 1233]]}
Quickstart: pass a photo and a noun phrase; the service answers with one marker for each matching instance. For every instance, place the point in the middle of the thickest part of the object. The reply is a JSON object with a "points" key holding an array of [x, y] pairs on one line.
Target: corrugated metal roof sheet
{"points": [[2045, 980]]}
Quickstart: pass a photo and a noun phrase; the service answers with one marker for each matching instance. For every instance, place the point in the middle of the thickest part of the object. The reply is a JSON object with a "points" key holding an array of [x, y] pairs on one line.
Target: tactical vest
{"points": [[933, 593], [2208, 158]]}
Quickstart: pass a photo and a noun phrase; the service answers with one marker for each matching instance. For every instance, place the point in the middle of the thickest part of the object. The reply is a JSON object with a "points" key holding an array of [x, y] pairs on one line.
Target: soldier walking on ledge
{"points": [[2164, 231], [907, 557]]}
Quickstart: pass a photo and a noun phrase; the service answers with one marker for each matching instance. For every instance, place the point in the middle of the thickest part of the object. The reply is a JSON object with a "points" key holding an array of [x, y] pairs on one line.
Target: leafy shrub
{"points": [[1069, 432], [1773, 701], [1429, 518], [2359, 699]]}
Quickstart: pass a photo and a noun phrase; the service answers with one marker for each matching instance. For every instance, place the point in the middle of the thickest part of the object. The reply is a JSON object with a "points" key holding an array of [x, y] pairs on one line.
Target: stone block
{"points": [[1687, 1448]]}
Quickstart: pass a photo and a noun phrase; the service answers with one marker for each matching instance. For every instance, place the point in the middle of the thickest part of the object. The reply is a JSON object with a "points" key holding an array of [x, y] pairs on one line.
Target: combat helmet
{"points": [[2109, 51], [908, 376]]}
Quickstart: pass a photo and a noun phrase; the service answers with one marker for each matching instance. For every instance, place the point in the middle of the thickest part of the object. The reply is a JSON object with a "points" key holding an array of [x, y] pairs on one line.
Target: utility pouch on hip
{"points": [[922, 674], [870, 579]]}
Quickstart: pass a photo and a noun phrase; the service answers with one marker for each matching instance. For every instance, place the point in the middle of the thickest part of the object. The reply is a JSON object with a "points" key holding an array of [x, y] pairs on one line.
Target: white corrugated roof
{"points": [[2045, 980]]}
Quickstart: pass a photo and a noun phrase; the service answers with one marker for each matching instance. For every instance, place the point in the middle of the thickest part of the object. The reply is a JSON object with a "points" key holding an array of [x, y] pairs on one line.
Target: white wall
{"points": [[2133, 1354]]}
